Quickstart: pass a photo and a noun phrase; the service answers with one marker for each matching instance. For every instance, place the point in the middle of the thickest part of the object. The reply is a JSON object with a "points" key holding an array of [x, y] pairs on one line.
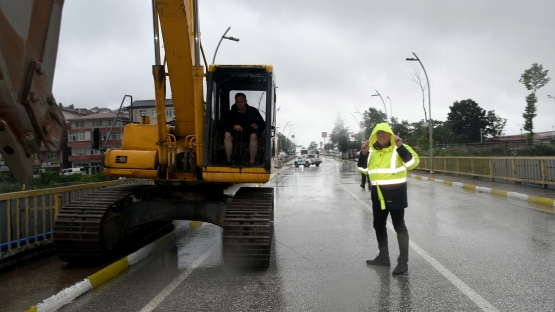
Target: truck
{"points": [[184, 159], [314, 160], [302, 161]]}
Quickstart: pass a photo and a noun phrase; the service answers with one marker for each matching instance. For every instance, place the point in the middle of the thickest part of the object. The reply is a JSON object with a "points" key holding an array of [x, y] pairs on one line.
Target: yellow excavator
{"points": [[185, 158]]}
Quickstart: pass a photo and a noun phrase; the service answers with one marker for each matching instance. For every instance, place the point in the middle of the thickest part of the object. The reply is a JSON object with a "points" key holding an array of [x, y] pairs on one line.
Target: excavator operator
{"points": [[244, 123]]}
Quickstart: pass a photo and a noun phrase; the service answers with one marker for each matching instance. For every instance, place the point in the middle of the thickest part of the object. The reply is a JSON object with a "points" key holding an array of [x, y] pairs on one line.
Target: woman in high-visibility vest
{"points": [[388, 160]]}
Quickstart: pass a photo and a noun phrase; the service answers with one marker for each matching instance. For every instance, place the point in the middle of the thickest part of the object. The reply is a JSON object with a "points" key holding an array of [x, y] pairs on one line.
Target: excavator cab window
{"points": [[223, 83]]}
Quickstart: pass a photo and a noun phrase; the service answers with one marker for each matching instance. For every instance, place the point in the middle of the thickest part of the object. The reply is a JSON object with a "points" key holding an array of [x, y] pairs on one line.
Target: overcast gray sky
{"points": [[328, 55]]}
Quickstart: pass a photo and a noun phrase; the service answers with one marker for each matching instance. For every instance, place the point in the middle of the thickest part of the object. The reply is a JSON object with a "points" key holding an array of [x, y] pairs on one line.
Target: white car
{"points": [[302, 161]]}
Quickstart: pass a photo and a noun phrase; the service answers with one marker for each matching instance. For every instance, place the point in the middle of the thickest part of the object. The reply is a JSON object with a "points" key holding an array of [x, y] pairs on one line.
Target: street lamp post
{"points": [[223, 37], [378, 94], [429, 109], [390, 107], [287, 124], [552, 127]]}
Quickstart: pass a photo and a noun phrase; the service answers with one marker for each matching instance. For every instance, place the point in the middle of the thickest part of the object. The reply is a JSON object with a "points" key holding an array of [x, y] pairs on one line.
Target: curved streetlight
{"points": [[390, 107], [362, 129], [223, 37], [429, 109], [385, 107]]}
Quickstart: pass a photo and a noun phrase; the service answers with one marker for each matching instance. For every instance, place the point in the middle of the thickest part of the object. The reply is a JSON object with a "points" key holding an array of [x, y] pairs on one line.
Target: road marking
{"points": [[173, 285], [462, 286]]}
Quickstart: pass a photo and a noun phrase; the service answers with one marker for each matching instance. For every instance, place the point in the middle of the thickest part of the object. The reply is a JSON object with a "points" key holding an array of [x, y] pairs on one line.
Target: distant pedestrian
{"points": [[364, 177], [388, 160]]}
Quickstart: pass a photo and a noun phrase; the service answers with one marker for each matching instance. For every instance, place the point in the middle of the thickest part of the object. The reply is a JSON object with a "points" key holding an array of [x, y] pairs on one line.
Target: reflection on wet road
{"points": [[469, 252]]}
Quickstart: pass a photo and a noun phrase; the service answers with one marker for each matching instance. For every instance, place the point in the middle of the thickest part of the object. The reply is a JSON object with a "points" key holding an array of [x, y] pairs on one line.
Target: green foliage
{"points": [[339, 132], [54, 179], [372, 117], [537, 150], [533, 79], [529, 115], [424, 140], [466, 119]]}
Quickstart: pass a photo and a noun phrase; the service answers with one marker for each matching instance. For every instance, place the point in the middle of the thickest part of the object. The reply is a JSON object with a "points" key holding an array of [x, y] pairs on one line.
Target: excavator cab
{"points": [[223, 83]]}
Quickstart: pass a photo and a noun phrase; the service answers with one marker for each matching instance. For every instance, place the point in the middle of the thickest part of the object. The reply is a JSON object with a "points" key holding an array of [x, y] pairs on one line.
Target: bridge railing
{"points": [[27, 218], [538, 170]]}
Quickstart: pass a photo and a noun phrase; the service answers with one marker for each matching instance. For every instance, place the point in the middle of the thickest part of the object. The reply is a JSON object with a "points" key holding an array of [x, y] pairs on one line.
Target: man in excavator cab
{"points": [[244, 124]]}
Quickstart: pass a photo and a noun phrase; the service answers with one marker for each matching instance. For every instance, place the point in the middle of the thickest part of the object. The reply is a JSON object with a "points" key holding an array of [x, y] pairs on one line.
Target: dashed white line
{"points": [[173, 285]]}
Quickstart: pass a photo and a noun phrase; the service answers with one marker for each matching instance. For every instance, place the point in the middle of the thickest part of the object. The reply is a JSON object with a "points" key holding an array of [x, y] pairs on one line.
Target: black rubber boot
{"points": [[379, 260], [403, 240]]}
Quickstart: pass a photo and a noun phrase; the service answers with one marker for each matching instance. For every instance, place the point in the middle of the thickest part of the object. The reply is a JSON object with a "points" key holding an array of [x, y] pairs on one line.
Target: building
{"points": [[148, 108], [79, 139], [56, 161]]}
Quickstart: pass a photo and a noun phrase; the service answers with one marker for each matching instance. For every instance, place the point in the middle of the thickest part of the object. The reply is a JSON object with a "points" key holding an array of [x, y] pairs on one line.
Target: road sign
{"points": [[324, 134]]}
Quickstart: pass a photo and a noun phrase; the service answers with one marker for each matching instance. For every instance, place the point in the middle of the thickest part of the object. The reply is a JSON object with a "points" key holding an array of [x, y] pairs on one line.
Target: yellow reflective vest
{"points": [[388, 166]]}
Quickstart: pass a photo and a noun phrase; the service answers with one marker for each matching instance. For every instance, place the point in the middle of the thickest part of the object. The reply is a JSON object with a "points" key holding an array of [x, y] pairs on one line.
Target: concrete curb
{"points": [[69, 294], [480, 189]]}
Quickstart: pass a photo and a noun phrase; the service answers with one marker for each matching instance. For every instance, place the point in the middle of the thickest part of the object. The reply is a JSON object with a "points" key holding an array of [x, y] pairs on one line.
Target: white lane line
{"points": [[465, 289], [173, 285]]}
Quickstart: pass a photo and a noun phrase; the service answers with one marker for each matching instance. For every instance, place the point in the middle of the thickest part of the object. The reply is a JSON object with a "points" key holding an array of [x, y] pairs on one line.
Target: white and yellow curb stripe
{"points": [[69, 294], [479, 189]]}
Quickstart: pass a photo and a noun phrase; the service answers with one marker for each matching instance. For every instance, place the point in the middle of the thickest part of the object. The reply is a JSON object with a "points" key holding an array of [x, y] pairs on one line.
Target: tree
{"points": [[312, 146], [533, 79], [420, 82], [496, 125], [466, 119], [339, 130]]}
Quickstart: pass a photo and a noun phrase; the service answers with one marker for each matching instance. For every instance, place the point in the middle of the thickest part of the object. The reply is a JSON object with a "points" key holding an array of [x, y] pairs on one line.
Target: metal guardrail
{"points": [[27, 218], [538, 170]]}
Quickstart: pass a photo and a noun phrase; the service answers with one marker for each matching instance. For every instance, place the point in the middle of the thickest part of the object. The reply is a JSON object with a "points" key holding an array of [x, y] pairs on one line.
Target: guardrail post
{"points": [[57, 204], [513, 165], [491, 169], [544, 172]]}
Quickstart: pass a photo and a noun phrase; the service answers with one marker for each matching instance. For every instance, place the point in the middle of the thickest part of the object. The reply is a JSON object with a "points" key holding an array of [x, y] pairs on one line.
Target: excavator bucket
{"points": [[29, 114]]}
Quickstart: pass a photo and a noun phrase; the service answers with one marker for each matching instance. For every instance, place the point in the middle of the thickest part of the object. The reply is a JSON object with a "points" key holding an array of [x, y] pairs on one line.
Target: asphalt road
{"points": [[469, 252]]}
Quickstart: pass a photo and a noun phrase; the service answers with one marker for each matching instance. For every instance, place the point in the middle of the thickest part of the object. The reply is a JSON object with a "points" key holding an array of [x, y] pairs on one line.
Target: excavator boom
{"points": [[29, 114]]}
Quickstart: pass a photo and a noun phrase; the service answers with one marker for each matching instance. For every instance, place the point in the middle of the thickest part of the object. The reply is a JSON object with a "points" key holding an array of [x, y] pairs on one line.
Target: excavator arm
{"points": [[29, 114]]}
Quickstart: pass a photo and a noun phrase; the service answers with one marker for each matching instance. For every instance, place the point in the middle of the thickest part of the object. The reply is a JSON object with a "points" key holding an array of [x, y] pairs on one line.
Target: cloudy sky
{"points": [[328, 55]]}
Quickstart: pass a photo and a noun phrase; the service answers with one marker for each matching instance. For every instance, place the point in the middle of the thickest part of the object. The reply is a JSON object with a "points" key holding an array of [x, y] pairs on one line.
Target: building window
{"points": [[142, 112], [116, 136], [76, 136], [51, 155], [78, 151], [78, 124], [169, 112], [153, 114], [97, 123]]}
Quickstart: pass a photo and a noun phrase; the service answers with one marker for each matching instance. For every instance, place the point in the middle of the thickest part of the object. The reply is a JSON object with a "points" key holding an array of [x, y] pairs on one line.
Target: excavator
{"points": [[184, 159]]}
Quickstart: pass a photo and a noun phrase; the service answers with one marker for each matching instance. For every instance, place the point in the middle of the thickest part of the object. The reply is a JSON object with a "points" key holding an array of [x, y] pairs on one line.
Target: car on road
{"points": [[314, 160], [302, 161]]}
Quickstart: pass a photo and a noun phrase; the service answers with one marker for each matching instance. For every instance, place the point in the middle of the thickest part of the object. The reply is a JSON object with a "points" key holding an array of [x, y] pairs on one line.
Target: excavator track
{"points": [[87, 229], [248, 228]]}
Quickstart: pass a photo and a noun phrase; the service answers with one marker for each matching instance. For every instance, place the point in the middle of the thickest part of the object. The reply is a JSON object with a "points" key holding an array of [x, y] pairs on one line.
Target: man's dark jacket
{"points": [[245, 120]]}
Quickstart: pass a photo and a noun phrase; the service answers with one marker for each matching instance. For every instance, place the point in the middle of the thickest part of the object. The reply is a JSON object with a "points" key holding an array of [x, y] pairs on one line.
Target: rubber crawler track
{"points": [[248, 228], [79, 225]]}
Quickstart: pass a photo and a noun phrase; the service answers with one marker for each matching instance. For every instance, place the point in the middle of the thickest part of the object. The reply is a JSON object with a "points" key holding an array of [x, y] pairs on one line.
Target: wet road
{"points": [[469, 252]]}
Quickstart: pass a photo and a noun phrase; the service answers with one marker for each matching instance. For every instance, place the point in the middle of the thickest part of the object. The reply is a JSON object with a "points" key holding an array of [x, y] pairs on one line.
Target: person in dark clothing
{"points": [[362, 164], [245, 123]]}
